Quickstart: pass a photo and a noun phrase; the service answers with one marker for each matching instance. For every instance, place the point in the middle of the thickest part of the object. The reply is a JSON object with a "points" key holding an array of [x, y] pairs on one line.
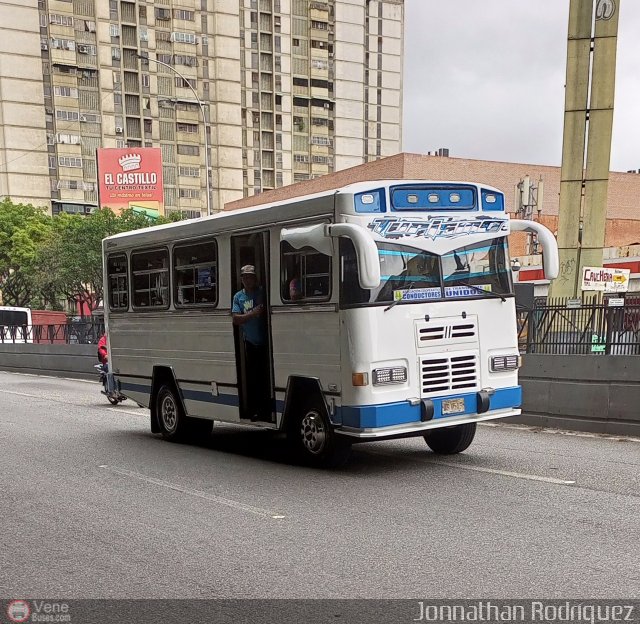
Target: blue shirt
{"points": [[254, 330]]}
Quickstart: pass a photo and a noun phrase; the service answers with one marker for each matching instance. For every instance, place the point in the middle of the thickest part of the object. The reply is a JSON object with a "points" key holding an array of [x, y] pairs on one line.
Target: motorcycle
{"points": [[115, 396]]}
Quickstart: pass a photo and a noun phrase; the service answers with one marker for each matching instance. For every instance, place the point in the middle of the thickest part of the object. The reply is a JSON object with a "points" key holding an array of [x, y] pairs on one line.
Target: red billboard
{"points": [[131, 178]]}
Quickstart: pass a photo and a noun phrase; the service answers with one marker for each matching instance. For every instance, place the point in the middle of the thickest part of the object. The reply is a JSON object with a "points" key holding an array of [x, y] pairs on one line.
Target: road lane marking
{"points": [[258, 511], [33, 396], [91, 381], [504, 473], [563, 432], [143, 411]]}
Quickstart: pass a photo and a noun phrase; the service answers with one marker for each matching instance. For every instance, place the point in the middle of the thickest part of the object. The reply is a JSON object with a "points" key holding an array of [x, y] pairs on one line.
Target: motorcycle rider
{"points": [[102, 350], [103, 356]]}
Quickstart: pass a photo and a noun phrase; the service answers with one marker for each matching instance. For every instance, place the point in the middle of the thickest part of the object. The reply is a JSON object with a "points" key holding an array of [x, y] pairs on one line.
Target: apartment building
{"points": [[264, 92], [24, 175]]}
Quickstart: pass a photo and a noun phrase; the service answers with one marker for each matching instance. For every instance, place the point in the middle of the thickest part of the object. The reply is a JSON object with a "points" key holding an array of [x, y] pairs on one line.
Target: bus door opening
{"points": [[252, 337]]}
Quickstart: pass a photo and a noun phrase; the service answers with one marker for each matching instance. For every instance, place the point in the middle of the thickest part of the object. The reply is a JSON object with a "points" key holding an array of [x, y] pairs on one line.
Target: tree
{"points": [[72, 257], [23, 229]]}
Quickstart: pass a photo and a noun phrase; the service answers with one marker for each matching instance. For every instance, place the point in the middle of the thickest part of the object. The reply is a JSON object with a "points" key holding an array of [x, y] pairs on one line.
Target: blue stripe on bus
{"points": [[197, 395], [368, 416], [191, 395], [207, 397], [388, 414], [145, 389]]}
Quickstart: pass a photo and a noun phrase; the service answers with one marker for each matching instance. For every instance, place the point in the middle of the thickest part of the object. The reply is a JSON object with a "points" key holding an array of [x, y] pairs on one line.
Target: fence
{"points": [[581, 327], [72, 332]]}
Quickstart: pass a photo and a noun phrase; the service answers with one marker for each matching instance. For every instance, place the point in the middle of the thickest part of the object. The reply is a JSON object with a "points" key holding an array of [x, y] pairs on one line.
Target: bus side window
{"points": [[150, 278], [118, 282], [305, 274], [195, 269]]}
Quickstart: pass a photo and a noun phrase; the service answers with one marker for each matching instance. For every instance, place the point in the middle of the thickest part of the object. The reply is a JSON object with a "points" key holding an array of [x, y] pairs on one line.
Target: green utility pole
{"points": [[603, 74], [583, 194]]}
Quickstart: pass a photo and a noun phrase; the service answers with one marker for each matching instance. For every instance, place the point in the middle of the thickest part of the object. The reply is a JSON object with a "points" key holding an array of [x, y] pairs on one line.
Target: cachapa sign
{"points": [[131, 178], [605, 279]]}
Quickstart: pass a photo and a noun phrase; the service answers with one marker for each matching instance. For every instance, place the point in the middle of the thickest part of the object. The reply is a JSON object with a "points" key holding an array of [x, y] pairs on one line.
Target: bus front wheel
{"points": [[171, 417], [313, 439], [450, 440]]}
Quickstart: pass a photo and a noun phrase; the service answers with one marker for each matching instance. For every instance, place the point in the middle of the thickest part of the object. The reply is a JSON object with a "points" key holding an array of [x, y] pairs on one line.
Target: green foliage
{"points": [[23, 230], [45, 259]]}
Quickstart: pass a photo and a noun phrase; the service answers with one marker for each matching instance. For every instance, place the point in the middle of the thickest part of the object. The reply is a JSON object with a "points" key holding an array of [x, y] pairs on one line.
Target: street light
{"points": [[204, 120]]}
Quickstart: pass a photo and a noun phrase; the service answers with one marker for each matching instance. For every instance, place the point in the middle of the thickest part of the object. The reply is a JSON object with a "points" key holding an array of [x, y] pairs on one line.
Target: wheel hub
{"points": [[313, 433], [168, 413]]}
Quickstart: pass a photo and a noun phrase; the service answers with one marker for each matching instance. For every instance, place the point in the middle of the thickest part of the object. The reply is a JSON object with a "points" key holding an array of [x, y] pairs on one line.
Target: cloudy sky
{"points": [[485, 78]]}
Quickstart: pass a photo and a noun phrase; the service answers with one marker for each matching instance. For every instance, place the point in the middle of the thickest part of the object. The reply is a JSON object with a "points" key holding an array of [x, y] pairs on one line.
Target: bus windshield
{"points": [[410, 275]]}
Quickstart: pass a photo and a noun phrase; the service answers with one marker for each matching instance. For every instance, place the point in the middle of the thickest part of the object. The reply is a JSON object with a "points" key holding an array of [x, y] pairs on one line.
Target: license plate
{"points": [[452, 406]]}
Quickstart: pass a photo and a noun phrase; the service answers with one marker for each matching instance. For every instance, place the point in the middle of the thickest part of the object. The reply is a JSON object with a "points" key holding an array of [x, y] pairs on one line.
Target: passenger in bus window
{"points": [[295, 288], [249, 314], [295, 283]]}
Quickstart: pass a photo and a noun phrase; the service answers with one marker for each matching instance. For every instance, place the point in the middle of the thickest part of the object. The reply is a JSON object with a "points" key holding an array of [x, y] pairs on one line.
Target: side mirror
{"points": [[366, 252], [550, 257]]}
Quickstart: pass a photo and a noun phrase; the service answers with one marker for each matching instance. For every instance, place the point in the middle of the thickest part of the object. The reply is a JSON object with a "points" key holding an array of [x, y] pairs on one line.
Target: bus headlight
{"points": [[503, 363], [394, 375]]}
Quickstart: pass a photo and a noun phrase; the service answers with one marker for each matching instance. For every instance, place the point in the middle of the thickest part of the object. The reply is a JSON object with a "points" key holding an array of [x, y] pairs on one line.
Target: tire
{"points": [[171, 417], [450, 440], [312, 438]]}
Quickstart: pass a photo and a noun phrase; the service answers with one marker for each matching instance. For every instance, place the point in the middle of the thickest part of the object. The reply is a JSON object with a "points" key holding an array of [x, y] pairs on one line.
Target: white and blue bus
{"points": [[403, 322]]}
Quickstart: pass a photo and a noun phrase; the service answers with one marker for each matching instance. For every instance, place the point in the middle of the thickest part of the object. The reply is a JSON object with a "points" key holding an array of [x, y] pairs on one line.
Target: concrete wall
{"points": [[75, 361], [600, 394]]}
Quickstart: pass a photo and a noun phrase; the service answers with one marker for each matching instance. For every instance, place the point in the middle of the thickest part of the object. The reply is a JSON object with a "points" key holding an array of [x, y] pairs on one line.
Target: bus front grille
{"points": [[446, 373], [433, 334]]}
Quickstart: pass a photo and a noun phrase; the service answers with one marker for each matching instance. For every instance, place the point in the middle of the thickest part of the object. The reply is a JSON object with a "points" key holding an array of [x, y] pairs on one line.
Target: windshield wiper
{"points": [[481, 290], [397, 301]]}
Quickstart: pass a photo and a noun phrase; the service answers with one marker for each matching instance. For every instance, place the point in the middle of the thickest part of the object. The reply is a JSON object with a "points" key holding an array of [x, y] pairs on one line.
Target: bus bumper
{"points": [[412, 417], [418, 428]]}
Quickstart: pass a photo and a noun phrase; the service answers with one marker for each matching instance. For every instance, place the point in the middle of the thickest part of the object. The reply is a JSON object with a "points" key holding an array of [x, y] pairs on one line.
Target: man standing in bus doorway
{"points": [[249, 314]]}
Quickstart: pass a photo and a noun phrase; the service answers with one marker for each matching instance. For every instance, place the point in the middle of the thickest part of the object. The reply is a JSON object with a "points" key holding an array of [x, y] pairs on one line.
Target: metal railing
{"points": [[72, 332], [587, 327]]}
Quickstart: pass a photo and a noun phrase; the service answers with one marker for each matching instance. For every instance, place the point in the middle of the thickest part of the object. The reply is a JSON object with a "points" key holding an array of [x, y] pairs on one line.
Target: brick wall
{"points": [[623, 218]]}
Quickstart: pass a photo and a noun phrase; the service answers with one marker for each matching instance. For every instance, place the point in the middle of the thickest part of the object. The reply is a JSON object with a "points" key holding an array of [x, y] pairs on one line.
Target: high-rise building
{"points": [[278, 91], [24, 175]]}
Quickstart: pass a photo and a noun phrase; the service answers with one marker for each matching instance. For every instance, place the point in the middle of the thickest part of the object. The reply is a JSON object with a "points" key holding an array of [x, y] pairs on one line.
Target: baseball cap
{"points": [[248, 269]]}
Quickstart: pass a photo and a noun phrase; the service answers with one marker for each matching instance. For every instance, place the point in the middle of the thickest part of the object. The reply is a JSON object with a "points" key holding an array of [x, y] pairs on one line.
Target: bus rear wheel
{"points": [[313, 439], [450, 440], [171, 417]]}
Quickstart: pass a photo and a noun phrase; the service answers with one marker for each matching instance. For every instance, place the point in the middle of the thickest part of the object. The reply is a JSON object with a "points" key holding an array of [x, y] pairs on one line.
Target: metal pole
{"points": [[204, 121]]}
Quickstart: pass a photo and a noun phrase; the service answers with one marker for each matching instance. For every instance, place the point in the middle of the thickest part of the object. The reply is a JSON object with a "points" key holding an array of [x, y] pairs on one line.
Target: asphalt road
{"points": [[93, 505]]}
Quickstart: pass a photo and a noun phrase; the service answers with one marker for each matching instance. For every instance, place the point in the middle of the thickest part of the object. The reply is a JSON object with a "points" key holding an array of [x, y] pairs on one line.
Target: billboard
{"points": [[606, 279], [131, 178]]}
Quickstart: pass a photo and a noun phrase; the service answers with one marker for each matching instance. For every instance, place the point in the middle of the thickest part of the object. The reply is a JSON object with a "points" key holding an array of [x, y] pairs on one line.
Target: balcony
{"points": [[131, 82], [129, 37], [130, 60], [128, 12], [134, 129], [132, 105]]}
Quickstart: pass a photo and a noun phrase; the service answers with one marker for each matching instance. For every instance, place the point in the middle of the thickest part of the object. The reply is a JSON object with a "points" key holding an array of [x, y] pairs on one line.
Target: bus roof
{"points": [[294, 208]]}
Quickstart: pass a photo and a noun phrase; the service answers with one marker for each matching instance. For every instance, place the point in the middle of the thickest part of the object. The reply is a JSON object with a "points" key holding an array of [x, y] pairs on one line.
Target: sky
{"points": [[485, 79]]}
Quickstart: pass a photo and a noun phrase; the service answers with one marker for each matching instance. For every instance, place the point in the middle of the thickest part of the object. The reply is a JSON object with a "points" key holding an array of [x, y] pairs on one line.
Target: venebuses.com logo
{"points": [[18, 611], [38, 611]]}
